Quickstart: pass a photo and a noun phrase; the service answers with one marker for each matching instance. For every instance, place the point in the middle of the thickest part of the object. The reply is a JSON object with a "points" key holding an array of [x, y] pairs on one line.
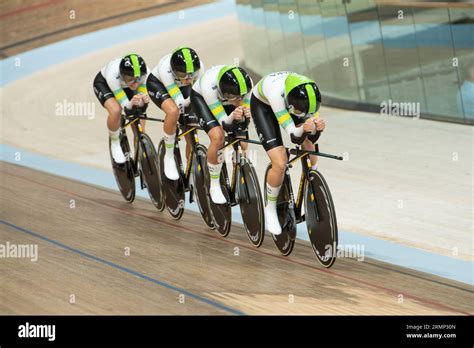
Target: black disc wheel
{"points": [[150, 171], [251, 204], [123, 172], [320, 217], [173, 190], [201, 193], [222, 213]]}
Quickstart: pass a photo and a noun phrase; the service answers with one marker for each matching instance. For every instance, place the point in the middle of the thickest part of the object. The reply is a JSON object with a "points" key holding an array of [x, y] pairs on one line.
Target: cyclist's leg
{"points": [[159, 95], [269, 133], [108, 101], [130, 93], [216, 134]]}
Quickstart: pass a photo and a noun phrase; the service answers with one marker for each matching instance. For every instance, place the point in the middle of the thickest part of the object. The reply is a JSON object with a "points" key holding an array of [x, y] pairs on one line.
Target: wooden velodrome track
{"points": [[180, 267]]}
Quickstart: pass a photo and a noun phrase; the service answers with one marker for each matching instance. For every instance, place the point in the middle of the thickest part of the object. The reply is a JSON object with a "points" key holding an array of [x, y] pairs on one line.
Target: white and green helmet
{"points": [[233, 82], [133, 65], [185, 62], [302, 96]]}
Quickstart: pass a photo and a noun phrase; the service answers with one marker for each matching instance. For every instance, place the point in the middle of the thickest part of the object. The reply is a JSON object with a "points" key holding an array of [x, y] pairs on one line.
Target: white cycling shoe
{"points": [[217, 196], [117, 152], [171, 172], [272, 224]]}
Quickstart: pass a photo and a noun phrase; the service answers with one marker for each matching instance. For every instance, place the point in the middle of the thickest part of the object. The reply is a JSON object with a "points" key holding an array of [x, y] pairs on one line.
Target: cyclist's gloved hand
{"points": [[137, 100], [309, 126], [247, 113], [320, 124], [297, 134], [145, 98], [238, 113]]}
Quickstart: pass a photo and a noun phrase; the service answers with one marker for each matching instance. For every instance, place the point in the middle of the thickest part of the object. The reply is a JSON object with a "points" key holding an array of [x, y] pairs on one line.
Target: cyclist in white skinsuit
{"points": [[121, 85], [291, 101], [169, 86], [220, 97]]}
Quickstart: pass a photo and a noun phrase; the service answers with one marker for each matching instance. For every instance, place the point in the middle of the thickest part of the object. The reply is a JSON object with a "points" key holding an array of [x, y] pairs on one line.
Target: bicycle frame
{"points": [[138, 133], [238, 166], [303, 157], [194, 142]]}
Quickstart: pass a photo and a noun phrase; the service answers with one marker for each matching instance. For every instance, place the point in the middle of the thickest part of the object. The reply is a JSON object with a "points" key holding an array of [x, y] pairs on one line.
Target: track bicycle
{"points": [[319, 211], [192, 178], [242, 189], [141, 163]]}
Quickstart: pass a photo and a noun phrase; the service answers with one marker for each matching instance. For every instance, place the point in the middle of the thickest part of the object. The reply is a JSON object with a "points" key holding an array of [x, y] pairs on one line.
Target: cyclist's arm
{"points": [[284, 118], [246, 101], [119, 93], [314, 136], [142, 87], [168, 80], [215, 105]]}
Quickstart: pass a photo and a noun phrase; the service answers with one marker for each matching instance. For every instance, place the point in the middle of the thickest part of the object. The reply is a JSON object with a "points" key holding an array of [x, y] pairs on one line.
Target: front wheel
{"points": [[151, 172], [173, 189], [320, 217], [201, 193], [222, 213], [123, 172], [251, 204], [286, 215]]}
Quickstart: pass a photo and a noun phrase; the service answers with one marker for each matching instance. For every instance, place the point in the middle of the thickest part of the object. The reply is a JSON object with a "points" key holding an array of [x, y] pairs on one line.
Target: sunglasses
{"points": [[186, 76], [130, 79], [296, 112], [231, 97]]}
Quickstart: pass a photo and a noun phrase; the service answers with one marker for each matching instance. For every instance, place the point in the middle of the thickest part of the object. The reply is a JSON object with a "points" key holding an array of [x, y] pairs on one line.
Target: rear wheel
{"points": [[173, 190], [201, 193], [320, 217], [285, 210], [151, 173], [251, 204], [123, 172]]}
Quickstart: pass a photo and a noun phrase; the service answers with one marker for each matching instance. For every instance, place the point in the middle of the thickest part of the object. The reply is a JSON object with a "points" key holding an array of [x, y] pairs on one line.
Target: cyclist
{"points": [[121, 85], [169, 85], [291, 101], [220, 96]]}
